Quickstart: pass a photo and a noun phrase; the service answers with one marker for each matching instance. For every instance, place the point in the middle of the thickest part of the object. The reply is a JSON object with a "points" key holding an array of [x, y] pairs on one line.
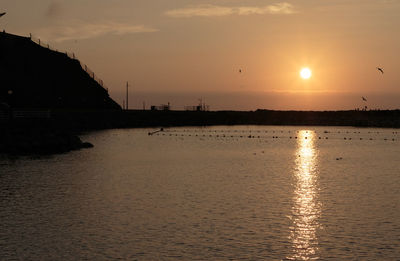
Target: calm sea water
{"points": [[215, 193]]}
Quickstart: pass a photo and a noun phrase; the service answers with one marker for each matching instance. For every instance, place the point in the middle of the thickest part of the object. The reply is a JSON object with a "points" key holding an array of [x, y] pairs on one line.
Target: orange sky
{"points": [[180, 50]]}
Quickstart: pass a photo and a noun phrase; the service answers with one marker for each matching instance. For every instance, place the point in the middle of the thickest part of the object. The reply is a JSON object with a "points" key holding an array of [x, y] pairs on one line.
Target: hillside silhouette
{"points": [[42, 95], [35, 77]]}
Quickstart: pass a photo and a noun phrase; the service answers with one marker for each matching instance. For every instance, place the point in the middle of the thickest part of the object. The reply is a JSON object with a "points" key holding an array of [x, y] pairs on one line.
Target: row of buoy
{"points": [[215, 131], [261, 137], [260, 131]]}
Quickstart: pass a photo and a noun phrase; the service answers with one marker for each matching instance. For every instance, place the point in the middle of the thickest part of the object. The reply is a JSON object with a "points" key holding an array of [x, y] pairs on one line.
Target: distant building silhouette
{"points": [[200, 107], [162, 107]]}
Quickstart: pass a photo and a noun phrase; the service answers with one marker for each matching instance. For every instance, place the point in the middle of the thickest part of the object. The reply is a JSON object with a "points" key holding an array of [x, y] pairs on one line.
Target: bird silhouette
{"points": [[1, 14], [240, 70], [363, 98], [380, 69]]}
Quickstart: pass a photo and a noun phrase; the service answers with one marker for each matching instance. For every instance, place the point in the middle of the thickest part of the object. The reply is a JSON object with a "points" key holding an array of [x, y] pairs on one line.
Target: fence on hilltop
{"points": [[72, 56]]}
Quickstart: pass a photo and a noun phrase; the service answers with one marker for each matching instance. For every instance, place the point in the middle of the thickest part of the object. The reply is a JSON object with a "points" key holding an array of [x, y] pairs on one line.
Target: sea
{"points": [[207, 193]]}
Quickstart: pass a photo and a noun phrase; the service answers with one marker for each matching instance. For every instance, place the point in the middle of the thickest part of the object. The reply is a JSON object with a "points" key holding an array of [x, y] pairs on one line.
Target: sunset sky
{"points": [[178, 51]]}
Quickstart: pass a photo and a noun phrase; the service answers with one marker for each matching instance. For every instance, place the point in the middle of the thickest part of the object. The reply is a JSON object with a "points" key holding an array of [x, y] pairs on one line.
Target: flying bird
{"points": [[380, 69], [1, 14], [363, 98], [240, 70]]}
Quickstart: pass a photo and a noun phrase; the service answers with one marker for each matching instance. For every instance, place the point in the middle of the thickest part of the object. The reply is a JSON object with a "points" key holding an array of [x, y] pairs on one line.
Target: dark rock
{"points": [[87, 145], [40, 141]]}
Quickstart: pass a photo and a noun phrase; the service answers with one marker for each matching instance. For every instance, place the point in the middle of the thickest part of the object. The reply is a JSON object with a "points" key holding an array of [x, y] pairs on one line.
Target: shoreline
{"points": [[59, 132]]}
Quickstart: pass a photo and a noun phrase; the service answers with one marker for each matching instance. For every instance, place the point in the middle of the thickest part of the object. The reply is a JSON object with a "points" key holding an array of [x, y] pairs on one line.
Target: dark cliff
{"points": [[32, 76]]}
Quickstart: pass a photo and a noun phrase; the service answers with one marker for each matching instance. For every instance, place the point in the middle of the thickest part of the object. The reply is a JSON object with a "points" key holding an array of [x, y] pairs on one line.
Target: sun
{"points": [[305, 73]]}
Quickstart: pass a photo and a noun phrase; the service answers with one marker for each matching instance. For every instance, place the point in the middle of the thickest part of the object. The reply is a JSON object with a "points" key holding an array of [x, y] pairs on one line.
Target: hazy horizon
{"points": [[234, 54], [250, 101]]}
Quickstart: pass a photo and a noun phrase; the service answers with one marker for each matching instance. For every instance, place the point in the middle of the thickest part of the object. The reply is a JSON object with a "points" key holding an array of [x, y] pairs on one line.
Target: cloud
{"points": [[87, 31], [54, 9], [209, 10], [213, 10]]}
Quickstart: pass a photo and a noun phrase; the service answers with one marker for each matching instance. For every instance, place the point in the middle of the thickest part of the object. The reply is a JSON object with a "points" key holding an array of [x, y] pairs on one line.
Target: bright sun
{"points": [[305, 73]]}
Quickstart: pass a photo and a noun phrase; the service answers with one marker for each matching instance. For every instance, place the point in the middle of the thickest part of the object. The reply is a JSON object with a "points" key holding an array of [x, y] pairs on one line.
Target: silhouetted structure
{"points": [[162, 107], [200, 107], [127, 96]]}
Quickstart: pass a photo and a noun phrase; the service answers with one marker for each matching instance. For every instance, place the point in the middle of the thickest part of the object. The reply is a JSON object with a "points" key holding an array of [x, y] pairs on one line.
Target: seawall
{"points": [[144, 118]]}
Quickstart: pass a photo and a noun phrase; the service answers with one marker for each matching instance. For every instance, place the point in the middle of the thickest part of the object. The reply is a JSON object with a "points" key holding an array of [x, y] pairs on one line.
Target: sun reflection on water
{"points": [[306, 207]]}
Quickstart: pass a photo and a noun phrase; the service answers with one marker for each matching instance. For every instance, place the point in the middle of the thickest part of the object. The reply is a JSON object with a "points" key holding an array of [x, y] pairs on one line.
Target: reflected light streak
{"points": [[306, 208]]}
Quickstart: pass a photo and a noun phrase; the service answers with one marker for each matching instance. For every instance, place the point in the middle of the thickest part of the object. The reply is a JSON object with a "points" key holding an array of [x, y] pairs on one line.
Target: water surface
{"points": [[216, 193]]}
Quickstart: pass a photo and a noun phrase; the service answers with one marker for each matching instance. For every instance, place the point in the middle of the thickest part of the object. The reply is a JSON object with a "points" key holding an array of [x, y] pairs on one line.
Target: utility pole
{"points": [[127, 99]]}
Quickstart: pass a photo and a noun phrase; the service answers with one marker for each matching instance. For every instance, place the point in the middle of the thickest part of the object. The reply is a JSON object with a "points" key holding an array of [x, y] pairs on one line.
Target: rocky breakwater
{"points": [[39, 141]]}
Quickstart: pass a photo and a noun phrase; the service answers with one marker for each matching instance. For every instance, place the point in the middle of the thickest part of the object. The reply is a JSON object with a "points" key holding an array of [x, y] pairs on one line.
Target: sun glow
{"points": [[305, 73], [306, 205]]}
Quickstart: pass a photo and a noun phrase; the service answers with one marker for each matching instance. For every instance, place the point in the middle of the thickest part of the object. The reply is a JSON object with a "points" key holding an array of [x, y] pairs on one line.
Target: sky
{"points": [[180, 51]]}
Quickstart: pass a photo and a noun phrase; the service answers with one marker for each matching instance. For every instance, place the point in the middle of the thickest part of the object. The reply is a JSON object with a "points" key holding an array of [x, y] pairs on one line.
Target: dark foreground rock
{"points": [[39, 141]]}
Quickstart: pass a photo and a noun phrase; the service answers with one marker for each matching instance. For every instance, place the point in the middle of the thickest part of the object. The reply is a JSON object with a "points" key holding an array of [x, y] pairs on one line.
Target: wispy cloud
{"points": [[54, 9], [86, 31], [209, 10], [214, 10]]}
